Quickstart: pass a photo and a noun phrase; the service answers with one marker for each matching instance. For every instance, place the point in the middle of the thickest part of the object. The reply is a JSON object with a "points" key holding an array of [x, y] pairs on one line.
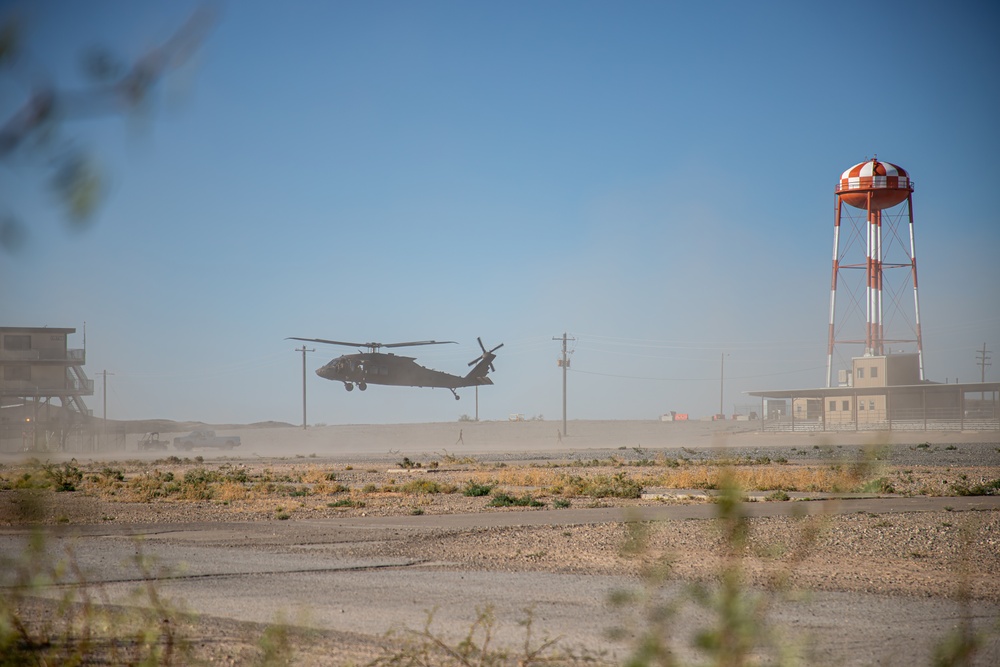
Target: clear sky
{"points": [[654, 178]]}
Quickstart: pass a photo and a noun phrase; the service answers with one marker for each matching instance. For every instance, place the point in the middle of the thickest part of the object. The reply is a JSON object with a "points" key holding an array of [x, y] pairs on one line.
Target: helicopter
{"points": [[374, 367]]}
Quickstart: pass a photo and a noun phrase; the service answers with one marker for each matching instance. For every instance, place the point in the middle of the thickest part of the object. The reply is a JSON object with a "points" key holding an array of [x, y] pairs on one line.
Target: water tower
{"points": [[874, 208]]}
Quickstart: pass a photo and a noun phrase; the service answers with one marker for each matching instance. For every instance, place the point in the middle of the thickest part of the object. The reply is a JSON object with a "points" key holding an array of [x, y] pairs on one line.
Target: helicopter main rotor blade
{"points": [[332, 342], [415, 343], [372, 346]]}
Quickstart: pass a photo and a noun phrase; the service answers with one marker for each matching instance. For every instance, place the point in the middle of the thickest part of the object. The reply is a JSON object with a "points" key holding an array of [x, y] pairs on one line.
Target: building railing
{"points": [[897, 423], [70, 386], [74, 356]]}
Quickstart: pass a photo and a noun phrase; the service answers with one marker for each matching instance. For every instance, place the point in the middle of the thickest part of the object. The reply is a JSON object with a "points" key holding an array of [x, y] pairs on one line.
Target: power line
{"points": [[704, 379]]}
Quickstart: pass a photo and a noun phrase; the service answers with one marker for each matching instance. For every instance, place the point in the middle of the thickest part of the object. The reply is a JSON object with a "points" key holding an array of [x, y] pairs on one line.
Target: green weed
{"points": [[346, 502], [963, 488], [476, 490], [880, 485], [504, 500], [427, 486], [619, 485], [63, 477], [477, 648]]}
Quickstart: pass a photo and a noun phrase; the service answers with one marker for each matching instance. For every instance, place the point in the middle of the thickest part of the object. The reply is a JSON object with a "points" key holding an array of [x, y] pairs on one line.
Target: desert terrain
{"points": [[848, 549]]}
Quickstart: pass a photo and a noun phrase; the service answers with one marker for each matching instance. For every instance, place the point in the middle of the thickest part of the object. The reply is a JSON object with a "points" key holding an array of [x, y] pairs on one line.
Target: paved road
{"points": [[301, 571]]}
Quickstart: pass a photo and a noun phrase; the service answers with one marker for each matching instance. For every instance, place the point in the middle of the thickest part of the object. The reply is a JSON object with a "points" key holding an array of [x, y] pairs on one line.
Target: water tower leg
{"points": [[833, 291]]}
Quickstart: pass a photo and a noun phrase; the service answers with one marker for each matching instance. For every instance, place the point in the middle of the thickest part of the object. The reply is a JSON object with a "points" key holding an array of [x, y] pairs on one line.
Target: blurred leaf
{"points": [[100, 65], [13, 235], [77, 183], [8, 41]]}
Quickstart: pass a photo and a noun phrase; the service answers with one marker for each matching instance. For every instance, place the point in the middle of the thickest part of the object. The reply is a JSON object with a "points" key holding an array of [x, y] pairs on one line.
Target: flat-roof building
{"points": [[37, 367], [884, 392]]}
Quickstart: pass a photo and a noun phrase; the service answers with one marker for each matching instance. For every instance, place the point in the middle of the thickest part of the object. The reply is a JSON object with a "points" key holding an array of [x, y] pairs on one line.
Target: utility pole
{"points": [[303, 350], [722, 383], [983, 362], [477, 402], [104, 422], [564, 363], [105, 373]]}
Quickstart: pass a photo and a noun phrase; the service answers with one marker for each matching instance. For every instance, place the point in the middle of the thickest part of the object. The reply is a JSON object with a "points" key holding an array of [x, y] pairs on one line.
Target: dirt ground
{"points": [[369, 473]]}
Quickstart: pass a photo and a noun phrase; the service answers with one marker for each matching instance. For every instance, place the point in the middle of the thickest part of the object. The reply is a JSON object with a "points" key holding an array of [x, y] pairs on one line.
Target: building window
{"points": [[845, 405], [833, 406], [874, 372], [17, 342], [861, 405], [861, 373], [17, 373], [871, 404]]}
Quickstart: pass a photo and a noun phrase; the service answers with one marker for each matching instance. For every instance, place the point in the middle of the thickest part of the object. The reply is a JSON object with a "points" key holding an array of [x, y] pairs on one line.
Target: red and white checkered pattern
{"points": [[874, 175]]}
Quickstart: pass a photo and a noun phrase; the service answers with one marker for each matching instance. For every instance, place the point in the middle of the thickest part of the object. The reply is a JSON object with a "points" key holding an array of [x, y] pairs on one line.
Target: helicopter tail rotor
{"points": [[483, 361]]}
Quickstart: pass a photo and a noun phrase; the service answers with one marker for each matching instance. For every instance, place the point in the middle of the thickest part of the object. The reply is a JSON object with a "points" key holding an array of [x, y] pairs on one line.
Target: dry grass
{"points": [[759, 478], [251, 487]]}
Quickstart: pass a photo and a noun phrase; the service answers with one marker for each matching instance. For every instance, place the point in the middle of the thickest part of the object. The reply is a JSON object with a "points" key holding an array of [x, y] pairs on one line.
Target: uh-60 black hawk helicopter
{"points": [[374, 367]]}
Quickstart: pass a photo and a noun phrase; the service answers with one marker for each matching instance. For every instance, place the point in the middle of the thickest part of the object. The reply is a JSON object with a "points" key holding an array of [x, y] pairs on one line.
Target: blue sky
{"points": [[654, 178]]}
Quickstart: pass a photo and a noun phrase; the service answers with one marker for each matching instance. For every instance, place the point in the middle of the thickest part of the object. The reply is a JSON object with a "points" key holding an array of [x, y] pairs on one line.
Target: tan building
{"points": [[870, 372], [37, 366], [885, 392]]}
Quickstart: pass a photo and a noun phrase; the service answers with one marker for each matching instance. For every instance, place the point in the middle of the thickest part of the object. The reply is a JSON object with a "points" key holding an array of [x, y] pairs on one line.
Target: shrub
{"points": [[880, 485], [991, 488], [64, 477], [619, 485], [505, 500], [476, 490], [422, 486], [478, 646], [346, 502], [113, 474]]}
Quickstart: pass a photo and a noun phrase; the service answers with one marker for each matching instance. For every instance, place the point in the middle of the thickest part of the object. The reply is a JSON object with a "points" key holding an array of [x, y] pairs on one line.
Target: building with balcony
{"points": [[38, 368], [884, 392]]}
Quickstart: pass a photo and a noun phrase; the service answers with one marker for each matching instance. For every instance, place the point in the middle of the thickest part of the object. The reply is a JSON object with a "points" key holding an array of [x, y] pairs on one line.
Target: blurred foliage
{"points": [[36, 130]]}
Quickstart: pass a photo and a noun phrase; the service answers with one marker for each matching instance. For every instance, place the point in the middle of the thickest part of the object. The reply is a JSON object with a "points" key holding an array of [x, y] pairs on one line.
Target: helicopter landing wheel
{"points": [[455, 393], [348, 386], [362, 386]]}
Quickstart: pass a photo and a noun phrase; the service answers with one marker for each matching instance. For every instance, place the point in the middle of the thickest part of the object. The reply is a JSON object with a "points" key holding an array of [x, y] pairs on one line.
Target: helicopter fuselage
{"points": [[390, 369]]}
